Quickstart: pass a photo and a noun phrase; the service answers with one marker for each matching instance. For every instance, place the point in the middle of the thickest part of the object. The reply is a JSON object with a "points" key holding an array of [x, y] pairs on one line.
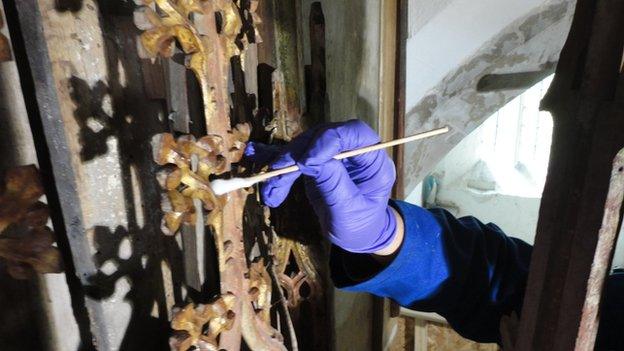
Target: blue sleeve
{"points": [[469, 272]]}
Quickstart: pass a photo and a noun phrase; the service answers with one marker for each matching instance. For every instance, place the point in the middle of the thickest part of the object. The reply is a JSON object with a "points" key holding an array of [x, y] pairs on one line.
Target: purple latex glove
{"points": [[350, 197]]}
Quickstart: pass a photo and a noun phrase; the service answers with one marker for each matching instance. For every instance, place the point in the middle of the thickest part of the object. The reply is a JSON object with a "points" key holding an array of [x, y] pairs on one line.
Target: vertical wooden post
{"points": [[585, 99], [399, 93]]}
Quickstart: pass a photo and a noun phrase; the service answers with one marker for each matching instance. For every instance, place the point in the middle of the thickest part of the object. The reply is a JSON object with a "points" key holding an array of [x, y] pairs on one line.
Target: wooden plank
{"points": [[391, 125], [177, 98], [97, 123], [387, 71], [289, 52], [399, 93], [585, 101], [66, 183], [601, 266], [316, 87]]}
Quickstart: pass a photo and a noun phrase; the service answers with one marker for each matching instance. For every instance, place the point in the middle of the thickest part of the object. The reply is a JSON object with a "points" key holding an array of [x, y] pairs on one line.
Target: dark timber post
{"points": [[586, 99]]}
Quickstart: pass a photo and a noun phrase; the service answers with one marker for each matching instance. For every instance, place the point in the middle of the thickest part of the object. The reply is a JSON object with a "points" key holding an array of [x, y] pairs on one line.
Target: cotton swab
{"points": [[224, 186]]}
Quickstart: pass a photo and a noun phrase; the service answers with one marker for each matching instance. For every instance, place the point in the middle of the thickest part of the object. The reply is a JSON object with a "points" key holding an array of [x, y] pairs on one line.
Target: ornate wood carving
{"points": [[286, 122], [201, 326], [5, 45], [306, 273], [211, 33], [26, 243]]}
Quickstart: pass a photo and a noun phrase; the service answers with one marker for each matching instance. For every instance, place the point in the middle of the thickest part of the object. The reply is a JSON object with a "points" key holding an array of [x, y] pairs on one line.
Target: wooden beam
{"points": [[585, 99], [49, 110], [387, 73], [399, 93], [513, 81]]}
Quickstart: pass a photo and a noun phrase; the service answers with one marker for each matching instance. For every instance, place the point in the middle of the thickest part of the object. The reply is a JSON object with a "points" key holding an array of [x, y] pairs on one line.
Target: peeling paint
{"points": [[527, 44]]}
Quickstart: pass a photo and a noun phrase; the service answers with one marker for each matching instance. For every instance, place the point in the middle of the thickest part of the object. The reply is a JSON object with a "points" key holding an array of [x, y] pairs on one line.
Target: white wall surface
{"points": [[445, 33], [443, 72], [516, 215]]}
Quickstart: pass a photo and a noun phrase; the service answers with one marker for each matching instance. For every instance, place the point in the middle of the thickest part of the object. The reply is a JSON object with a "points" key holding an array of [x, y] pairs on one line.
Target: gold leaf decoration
{"points": [[260, 289], [292, 283], [182, 183], [210, 33], [192, 24], [200, 326]]}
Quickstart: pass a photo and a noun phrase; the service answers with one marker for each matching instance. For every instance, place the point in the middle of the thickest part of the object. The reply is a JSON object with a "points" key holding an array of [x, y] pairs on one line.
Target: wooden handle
{"points": [[266, 175], [261, 177], [391, 143]]}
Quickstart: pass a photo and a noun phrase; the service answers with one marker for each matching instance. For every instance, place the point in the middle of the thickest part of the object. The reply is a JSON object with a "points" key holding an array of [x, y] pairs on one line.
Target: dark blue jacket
{"points": [[469, 272]]}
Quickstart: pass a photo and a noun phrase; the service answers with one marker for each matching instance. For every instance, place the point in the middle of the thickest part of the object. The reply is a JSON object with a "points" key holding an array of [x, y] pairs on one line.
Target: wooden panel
{"points": [[92, 106]]}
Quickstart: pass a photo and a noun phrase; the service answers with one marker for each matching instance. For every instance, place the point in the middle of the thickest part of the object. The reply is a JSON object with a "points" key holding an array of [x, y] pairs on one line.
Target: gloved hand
{"points": [[350, 196]]}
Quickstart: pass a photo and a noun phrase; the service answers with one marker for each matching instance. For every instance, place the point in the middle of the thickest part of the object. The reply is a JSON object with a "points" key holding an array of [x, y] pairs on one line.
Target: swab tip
{"points": [[224, 186]]}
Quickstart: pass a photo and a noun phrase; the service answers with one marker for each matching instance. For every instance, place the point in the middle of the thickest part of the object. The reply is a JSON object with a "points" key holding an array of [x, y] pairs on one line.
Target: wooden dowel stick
{"points": [[223, 186], [266, 175]]}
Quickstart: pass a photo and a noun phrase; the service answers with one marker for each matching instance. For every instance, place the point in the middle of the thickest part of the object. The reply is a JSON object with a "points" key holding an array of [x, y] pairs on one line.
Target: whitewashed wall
{"points": [[455, 44]]}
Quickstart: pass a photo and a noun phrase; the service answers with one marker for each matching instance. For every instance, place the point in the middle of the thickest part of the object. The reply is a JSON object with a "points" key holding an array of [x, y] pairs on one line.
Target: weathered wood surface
{"points": [[601, 266], [32, 309], [97, 124], [385, 319], [20, 300], [100, 105], [585, 99], [398, 192], [300, 253]]}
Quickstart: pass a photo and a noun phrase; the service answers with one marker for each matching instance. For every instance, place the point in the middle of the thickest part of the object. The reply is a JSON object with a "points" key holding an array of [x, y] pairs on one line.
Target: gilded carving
{"points": [[292, 282], [210, 33], [200, 326], [26, 243]]}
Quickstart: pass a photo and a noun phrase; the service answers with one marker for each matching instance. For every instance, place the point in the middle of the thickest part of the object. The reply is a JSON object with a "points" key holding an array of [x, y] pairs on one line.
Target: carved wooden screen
{"points": [[151, 99], [268, 272]]}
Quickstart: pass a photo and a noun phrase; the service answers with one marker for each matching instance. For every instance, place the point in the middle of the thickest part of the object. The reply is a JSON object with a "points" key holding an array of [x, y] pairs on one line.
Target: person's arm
{"points": [[387, 253], [469, 272]]}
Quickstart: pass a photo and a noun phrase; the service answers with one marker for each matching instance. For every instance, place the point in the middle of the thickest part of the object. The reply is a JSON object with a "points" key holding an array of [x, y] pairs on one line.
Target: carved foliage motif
{"points": [[5, 46], [191, 163], [200, 326], [210, 33], [293, 282], [25, 240], [193, 25]]}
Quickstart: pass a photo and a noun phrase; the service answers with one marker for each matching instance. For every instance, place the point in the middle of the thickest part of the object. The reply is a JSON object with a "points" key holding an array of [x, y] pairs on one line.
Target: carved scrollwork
{"points": [[200, 326], [210, 33], [191, 164], [209, 44], [293, 282]]}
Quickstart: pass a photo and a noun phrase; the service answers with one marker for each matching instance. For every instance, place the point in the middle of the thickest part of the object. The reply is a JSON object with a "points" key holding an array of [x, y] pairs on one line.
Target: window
{"points": [[515, 144]]}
